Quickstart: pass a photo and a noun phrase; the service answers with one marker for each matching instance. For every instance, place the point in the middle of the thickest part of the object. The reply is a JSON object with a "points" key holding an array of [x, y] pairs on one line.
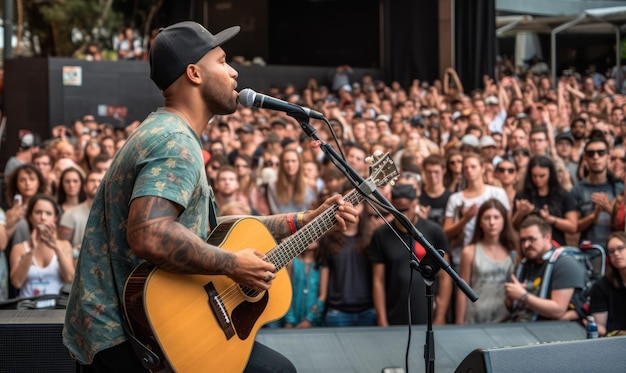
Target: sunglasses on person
{"points": [[613, 159], [502, 170], [270, 164], [592, 153]]}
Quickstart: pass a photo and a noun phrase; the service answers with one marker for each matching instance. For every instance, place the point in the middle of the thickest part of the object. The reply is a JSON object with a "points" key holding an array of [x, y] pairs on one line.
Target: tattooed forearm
{"points": [[154, 235], [277, 224]]}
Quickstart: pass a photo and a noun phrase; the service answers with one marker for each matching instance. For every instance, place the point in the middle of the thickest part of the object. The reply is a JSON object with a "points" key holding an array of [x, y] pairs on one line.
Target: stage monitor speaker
{"points": [[31, 341], [590, 355]]}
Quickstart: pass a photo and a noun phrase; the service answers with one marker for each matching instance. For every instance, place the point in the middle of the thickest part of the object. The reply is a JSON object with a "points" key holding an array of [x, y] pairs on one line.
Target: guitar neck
{"points": [[295, 244]]}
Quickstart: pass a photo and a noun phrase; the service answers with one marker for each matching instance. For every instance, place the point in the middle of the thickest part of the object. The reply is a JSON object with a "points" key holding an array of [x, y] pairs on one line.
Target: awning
{"points": [[610, 20]]}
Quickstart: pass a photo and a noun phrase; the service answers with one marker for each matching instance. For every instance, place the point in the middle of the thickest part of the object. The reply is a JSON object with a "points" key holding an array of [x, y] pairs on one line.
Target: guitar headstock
{"points": [[383, 169]]}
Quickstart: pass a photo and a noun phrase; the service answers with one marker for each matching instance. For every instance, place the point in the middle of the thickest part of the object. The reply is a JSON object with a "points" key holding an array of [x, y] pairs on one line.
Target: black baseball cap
{"points": [[179, 45]]}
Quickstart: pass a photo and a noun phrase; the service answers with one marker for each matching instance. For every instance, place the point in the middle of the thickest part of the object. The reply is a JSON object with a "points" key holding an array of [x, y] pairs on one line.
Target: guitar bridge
{"points": [[219, 310]]}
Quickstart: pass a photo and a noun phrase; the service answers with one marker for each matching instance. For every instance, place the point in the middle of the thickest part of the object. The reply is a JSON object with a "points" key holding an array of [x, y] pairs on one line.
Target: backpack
{"points": [[591, 258]]}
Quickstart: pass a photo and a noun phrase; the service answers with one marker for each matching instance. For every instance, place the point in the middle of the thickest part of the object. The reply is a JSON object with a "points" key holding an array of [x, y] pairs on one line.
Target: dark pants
{"points": [[122, 359]]}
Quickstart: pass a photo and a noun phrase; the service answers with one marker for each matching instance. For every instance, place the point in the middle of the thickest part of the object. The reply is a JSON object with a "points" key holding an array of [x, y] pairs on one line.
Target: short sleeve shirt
{"points": [[162, 158]]}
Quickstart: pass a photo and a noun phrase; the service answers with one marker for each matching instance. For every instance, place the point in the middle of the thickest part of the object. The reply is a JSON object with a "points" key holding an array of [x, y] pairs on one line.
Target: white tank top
{"points": [[41, 281]]}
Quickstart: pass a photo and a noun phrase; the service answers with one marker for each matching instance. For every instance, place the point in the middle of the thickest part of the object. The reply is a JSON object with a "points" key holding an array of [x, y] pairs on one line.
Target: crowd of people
{"points": [[497, 178]]}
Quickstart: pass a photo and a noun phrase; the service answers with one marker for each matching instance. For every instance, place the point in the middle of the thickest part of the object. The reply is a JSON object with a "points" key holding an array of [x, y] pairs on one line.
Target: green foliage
{"points": [[60, 17]]}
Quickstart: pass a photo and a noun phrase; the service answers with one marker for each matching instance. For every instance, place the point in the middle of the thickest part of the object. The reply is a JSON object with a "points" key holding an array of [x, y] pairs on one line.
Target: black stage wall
{"points": [[44, 92], [31, 341]]}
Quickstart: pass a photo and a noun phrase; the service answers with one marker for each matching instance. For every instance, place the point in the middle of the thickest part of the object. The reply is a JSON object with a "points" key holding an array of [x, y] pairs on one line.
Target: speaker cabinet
{"points": [[590, 355], [31, 341]]}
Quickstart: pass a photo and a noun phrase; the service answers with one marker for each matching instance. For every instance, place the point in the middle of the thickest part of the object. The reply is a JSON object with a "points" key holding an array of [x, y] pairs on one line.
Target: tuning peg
{"points": [[392, 182], [369, 160], [378, 154]]}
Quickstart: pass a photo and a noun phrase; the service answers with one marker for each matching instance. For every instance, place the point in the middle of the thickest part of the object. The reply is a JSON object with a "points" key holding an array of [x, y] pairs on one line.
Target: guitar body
{"points": [[202, 323]]}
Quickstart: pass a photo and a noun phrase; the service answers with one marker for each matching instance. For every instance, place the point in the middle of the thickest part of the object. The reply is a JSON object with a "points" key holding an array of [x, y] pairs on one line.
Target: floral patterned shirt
{"points": [[162, 158]]}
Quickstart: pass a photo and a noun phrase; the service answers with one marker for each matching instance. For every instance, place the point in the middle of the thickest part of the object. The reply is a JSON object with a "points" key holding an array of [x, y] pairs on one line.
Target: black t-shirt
{"points": [[437, 205], [349, 278], [566, 273], [606, 298], [557, 205], [385, 248]]}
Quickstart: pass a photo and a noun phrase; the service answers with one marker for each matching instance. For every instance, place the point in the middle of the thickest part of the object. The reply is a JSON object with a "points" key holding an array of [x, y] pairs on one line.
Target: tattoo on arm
{"points": [[155, 235], [277, 224]]}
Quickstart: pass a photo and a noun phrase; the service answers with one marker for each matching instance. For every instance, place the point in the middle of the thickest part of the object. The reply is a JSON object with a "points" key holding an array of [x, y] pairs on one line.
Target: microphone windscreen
{"points": [[246, 97]]}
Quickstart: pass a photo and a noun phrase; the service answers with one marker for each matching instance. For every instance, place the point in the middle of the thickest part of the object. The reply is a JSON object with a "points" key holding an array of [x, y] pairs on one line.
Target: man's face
{"points": [[433, 174], [92, 183], [533, 243], [564, 149], [596, 156], [219, 81], [518, 139], [578, 130], [538, 143], [227, 183]]}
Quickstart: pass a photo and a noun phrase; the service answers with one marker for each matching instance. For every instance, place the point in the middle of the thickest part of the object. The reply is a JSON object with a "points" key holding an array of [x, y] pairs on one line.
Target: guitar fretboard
{"points": [[295, 244]]}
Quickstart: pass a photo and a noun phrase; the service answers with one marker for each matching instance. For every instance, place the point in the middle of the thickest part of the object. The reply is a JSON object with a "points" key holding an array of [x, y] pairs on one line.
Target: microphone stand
{"points": [[430, 264]]}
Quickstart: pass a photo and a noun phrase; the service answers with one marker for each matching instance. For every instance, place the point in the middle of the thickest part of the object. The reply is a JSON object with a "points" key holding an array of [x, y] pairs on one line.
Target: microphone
{"points": [[250, 98]]}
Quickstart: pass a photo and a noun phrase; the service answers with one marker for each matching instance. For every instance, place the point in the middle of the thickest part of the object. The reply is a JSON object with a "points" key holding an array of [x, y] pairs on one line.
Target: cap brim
{"points": [[225, 35]]}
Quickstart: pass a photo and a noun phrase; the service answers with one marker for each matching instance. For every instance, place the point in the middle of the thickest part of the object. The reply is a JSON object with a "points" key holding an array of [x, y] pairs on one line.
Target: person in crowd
{"points": [[486, 264], [227, 187], [608, 294], [44, 161], [434, 196], [93, 148], [73, 220], [521, 157], [594, 194], [391, 257], [42, 264], [247, 183], [129, 47], [462, 207], [564, 143], [308, 298], [617, 161], [506, 173], [290, 191], [107, 146], [70, 193], [24, 182], [453, 177], [543, 195], [523, 289], [28, 145], [166, 214], [213, 165], [346, 274]]}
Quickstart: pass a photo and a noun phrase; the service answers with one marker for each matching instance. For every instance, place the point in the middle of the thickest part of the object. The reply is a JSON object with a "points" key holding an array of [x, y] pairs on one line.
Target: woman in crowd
{"points": [[92, 149], [543, 195], [486, 265], [453, 178], [42, 264], [71, 191], [462, 207], [23, 183], [608, 294], [290, 191], [506, 172]]}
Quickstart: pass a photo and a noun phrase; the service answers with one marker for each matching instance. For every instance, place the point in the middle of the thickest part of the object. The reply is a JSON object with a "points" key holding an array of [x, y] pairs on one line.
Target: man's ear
{"points": [[193, 73]]}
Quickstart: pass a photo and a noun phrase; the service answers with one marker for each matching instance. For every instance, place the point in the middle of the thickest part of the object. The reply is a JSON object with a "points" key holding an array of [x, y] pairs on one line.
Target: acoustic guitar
{"points": [[208, 323]]}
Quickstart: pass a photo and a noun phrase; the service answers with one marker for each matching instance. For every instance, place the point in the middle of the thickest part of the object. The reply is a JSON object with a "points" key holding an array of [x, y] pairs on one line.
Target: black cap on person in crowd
{"points": [[179, 45], [564, 136], [403, 191]]}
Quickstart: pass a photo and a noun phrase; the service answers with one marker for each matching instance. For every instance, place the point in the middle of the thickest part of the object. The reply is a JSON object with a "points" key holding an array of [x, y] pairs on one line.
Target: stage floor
{"points": [[31, 340], [371, 349]]}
